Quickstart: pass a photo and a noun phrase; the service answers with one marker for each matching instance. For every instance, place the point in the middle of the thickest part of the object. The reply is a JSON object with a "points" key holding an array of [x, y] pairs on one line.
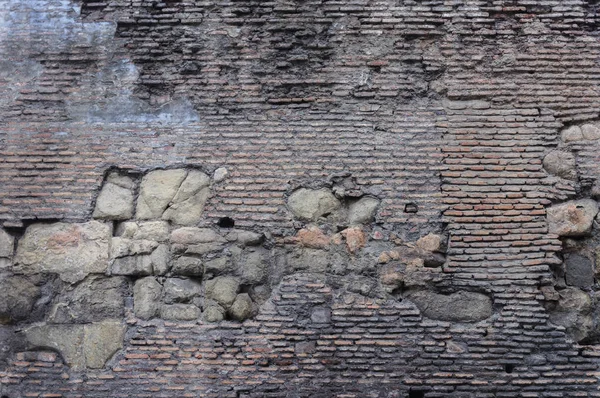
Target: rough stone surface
{"points": [[573, 312], [430, 242], [121, 247], [213, 313], [19, 295], [188, 266], [572, 134], [220, 174], [562, 164], [7, 244], [579, 271], [11, 341], [101, 341], [253, 267], [456, 307], [114, 203], [309, 204], [572, 218], [146, 297], [132, 265], [222, 289], [590, 132], [73, 251], [157, 190], [94, 299], [177, 290], [363, 210], [180, 312], [160, 258], [145, 230], [242, 307], [191, 236]]}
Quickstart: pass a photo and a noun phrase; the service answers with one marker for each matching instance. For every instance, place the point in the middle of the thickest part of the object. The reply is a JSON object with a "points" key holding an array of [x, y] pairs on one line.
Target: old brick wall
{"points": [[452, 106]]}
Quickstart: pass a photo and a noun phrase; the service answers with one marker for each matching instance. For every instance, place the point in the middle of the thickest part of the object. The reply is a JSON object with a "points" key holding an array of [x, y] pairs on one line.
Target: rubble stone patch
{"points": [[573, 218], [310, 204]]}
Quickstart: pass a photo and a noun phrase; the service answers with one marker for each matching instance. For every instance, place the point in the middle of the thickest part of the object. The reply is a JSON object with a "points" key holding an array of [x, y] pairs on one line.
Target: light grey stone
{"points": [[188, 212], [146, 297], [430, 242], [253, 267], [363, 210], [160, 260], [157, 190], [590, 132], [572, 134], [101, 341], [242, 307], [132, 265], [176, 290], [561, 164], [66, 339], [200, 248], [121, 247], [188, 266], [248, 238], [313, 260], [220, 174], [573, 218], [217, 266], [19, 295], [114, 203], [310, 204], [457, 307], [579, 271], [7, 244], [193, 183], [193, 235], [121, 181], [573, 313], [94, 299], [73, 251], [213, 313], [180, 312], [222, 289], [157, 231]]}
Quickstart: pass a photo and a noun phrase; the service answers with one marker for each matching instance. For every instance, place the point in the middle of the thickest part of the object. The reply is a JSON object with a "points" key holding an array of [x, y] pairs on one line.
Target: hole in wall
{"points": [[509, 367], [226, 222], [411, 208], [416, 394]]}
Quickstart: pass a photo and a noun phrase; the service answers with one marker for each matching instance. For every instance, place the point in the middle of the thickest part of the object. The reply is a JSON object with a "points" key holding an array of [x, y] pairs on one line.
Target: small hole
{"points": [[416, 394], [509, 368], [226, 222]]}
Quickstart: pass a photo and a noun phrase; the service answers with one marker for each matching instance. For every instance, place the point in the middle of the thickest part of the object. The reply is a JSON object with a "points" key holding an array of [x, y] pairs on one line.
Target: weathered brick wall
{"points": [[453, 106]]}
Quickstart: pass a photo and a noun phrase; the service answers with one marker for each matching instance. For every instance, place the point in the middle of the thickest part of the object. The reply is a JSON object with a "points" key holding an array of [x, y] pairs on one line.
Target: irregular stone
{"points": [[95, 299], [121, 247], [160, 260], [222, 289], [192, 235], [11, 342], [430, 242], [432, 259], [213, 313], [572, 134], [66, 339], [217, 266], [193, 183], [309, 204], [457, 307], [242, 307], [132, 265], [180, 312], [101, 341], [121, 180], [392, 277], [19, 295], [573, 218], [7, 244], [199, 249], [73, 251], [355, 239], [363, 210], [146, 297], [114, 203], [148, 230], [157, 190], [313, 260], [249, 238], [590, 132], [253, 267], [313, 237], [188, 266], [579, 271], [550, 294], [220, 174], [561, 164], [573, 312], [176, 290], [321, 315], [188, 212]]}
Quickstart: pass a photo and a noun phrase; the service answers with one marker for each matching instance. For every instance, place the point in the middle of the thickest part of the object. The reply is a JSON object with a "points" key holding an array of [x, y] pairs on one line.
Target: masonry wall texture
{"points": [[243, 198]]}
